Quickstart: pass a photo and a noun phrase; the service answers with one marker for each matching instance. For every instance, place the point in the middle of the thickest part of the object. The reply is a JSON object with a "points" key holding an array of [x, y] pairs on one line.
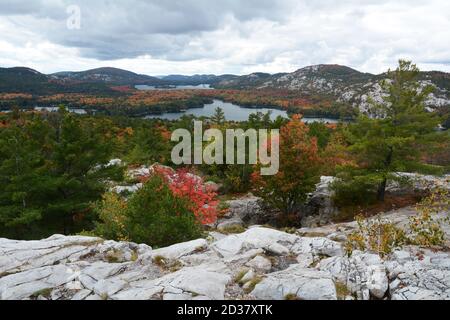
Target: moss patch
{"points": [[232, 230], [342, 291], [46, 293], [253, 283], [240, 275], [167, 265], [292, 297]]}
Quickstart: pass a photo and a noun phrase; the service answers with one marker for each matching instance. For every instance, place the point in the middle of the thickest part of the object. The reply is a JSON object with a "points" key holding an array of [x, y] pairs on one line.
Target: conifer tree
{"points": [[219, 117], [389, 142]]}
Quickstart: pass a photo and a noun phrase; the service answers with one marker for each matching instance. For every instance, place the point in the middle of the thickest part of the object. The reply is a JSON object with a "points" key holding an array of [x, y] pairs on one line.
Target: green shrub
{"points": [[353, 191], [376, 235], [112, 212], [424, 229], [153, 216]]}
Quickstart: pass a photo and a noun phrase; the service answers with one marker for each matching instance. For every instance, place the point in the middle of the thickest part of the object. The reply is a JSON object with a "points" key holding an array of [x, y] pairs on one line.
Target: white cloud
{"points": [[230, 36]]}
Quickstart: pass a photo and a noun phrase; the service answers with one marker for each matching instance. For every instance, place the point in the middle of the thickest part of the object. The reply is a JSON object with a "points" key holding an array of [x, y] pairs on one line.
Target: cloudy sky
{"points": [[223, 36]]}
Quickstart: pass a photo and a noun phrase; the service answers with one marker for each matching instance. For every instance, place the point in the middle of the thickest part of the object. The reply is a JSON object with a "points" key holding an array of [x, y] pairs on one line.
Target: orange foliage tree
{"points": [[299, 170]]}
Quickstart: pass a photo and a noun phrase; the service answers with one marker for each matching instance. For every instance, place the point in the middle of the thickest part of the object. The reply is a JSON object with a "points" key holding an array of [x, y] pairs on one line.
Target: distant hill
{"points": [[340, 84], [336, 83], [111, 76], [26, 80], [190, 80], [197, 79]]}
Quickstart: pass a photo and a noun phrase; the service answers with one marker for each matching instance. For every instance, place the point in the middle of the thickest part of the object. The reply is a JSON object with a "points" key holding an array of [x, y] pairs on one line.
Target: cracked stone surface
{"points": [[304, 284], [261, 263], [85, 268]]}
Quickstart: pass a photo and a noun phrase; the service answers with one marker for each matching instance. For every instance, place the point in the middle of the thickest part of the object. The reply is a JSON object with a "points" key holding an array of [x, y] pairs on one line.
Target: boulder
{"points": [[296, 282], [249, 276], [319, 208], [260, 264], [249, 209], [127, 189], [180, 250], [255, 238], [377, 281], [212, 186]]}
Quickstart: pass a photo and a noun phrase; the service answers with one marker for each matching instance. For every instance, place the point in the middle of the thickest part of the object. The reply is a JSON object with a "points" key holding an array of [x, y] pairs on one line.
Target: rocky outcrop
{"points": [[418, 274], [90, 268], [248, 209], [245, 211], [251, 210], [410, 274], [400, 218], [319, 209], [260, 263], [413, 182], [296, 283]]}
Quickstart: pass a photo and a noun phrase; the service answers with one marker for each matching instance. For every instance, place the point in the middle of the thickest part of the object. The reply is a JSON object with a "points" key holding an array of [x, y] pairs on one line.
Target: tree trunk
{"points": [[382, 190], [383, 184]]}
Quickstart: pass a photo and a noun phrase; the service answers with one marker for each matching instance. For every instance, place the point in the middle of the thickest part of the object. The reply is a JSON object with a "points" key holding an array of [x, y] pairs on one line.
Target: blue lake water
{"points": [[232, 112], [53, 109], [185, 87]]}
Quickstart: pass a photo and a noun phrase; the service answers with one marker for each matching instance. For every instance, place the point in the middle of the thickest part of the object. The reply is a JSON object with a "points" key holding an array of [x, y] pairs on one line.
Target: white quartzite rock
{"points": [[287, 266], [296, 281], [182, 249], [260, 264], [364, 274]]}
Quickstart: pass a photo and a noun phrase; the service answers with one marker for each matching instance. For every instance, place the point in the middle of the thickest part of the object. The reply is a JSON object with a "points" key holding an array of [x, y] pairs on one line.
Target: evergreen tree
{"points": [[23, 177], [80, 149], [390, 142], [219, 117], [149, 146], [51, 169]]}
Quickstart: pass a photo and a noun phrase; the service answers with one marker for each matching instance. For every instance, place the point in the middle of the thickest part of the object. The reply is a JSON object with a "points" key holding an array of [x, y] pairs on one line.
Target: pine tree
{"points": [[51, 170], [390, 142], [219, 117], [149, 146], [22, 177]]}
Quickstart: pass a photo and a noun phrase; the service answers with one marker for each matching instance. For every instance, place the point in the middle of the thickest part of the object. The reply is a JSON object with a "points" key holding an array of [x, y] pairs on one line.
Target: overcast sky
{"points": [[224, 36]]}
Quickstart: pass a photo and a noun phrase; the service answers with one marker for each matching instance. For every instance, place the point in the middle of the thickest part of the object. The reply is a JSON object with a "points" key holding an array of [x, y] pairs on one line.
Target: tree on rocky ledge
{"points": [[299, 171], [390, 142]]}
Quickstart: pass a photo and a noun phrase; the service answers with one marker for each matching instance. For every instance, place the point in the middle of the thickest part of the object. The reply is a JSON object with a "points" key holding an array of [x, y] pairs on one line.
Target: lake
{"points": [[185, 87], [53, 109], [233, 112]]}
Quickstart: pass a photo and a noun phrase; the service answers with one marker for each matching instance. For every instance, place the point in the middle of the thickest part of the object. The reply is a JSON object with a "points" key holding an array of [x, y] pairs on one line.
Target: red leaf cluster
{"points": [[202, 199]]}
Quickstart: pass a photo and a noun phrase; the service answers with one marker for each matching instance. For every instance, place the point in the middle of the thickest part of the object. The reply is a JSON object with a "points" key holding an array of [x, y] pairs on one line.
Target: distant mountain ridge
{"points": [[333, 82], [341, 84], [197, 79], [108, 75]]}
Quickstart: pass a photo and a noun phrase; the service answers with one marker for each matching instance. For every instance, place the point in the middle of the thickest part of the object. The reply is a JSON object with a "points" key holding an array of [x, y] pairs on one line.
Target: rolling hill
{"points": [[331, 82], [111, 76], [341, 84], [26, 80]]}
